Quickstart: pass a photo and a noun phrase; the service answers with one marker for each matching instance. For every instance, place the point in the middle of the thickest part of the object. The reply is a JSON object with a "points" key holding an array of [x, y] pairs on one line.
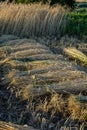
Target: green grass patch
{"points": [[77, 24]]}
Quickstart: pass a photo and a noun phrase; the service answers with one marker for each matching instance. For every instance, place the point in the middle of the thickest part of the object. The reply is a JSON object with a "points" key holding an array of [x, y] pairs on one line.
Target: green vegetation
{"points": [[69, 3], [26, 1], [77, 24]]}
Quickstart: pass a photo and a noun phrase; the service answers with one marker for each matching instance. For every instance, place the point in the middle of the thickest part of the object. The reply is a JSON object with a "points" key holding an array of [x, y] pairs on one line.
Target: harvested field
{"points": [[40, 65], [29, 70], [43, 67]]}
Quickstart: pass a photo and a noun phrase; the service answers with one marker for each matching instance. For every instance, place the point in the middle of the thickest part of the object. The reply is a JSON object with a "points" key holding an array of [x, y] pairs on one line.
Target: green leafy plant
{"points": [[77, 23]]}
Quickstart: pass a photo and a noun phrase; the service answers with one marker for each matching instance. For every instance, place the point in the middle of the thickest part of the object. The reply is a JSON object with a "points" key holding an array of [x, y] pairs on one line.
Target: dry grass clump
{"points": [[2, 54], [57, 76], [30, 52], [77, 109], [12, 126], [84, 114], [14, 64], [54, 105], [32, 20], [72, 107]]}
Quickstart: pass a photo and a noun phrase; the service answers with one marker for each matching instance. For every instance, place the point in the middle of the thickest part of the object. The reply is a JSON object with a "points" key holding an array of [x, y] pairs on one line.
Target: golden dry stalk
{"points": [[11, 126], [76, 54]]}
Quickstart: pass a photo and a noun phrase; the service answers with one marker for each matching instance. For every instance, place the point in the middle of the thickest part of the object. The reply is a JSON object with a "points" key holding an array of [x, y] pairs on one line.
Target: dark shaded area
{"points": [[69, 3]]}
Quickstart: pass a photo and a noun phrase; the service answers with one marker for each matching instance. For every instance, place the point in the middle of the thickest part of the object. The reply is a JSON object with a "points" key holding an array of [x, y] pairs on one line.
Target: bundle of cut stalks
{"points": [[76, 54], [10, 126]]}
